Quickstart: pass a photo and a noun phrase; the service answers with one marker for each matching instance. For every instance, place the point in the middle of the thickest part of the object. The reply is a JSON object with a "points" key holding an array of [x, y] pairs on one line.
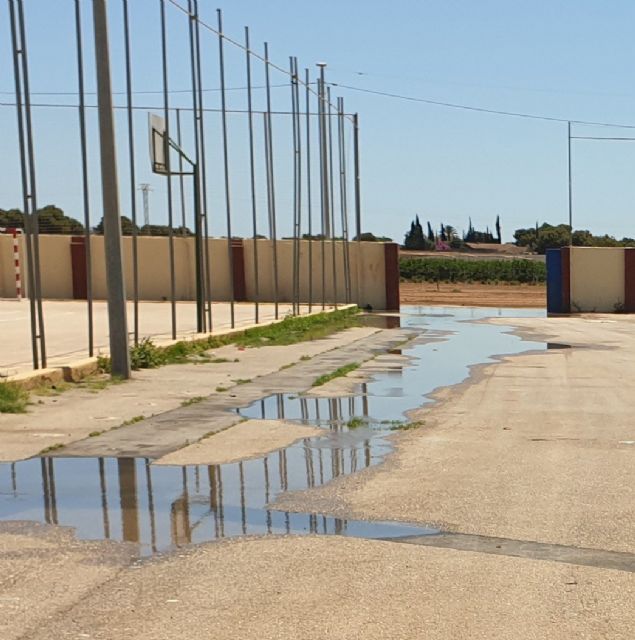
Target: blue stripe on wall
{"points": [[554, 281]]}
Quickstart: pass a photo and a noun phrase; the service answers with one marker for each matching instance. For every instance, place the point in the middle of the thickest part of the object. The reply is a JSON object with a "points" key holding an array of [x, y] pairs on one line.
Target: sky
{"points": [[569, 60]]}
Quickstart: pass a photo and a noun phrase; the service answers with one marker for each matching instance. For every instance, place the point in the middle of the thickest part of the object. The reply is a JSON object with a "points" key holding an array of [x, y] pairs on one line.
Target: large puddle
{"points": [[161, 508]]}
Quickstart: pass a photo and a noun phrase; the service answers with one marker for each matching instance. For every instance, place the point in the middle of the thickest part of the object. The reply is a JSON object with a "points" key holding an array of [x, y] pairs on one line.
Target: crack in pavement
{"points": [[600, 558]]}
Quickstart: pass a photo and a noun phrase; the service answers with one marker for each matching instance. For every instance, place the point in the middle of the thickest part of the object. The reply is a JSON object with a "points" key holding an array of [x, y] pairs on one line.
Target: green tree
{"points": [[127, 227], [415, 238], [51, 219]]}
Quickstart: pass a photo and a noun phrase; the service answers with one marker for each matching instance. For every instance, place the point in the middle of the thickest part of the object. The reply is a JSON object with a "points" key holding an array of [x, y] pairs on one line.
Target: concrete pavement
{"points": [[535, 449]]}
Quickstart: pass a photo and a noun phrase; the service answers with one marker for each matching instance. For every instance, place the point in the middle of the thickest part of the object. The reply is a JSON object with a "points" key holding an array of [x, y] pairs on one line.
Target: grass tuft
{"points": [[356, 422], [193, 400], [338, 373], [13, 398]]}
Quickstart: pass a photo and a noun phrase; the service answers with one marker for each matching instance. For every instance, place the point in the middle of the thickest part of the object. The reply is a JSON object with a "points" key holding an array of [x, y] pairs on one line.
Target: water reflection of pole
{"points": [[266, 470], [365, 400], [180, 515], [280, 404], [104, 499], [243, 511], [14, 480], [45, 491], [153, 532], [213, 501], [221, 517], [262, 409], [128, 499], [308, 460], [282, 470]]}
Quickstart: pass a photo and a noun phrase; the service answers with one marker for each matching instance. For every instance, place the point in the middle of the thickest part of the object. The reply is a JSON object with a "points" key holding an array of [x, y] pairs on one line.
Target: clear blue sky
{"points": [[567, 59]]}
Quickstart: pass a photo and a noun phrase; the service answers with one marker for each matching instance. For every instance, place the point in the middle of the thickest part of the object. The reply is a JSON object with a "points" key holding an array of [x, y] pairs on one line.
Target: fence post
{"points": [[120, 357]]}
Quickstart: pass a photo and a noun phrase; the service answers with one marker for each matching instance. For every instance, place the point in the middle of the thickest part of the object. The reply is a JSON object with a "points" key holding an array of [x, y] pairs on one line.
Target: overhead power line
{"points": [[467, 107]]}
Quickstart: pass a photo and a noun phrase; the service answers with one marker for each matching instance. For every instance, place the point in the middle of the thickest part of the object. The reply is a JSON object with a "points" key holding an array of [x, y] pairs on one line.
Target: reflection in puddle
{"points": [[162, 507]]}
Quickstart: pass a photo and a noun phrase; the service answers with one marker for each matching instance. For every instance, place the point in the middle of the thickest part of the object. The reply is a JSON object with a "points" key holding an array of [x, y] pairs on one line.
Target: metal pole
{"points": [[25, 187], [341, 142], [323, 190], [166, 142], [570, 189], [252, 176], [298, 233], [133, 199], [230, 248], [84, 162], [179, 142], [296, 212], [331, 184], [199, 262], [358, 205], [202, 172], [33, 185], [120, 357], [196, 177], [326, 218], [308, 185], [271, 184]]}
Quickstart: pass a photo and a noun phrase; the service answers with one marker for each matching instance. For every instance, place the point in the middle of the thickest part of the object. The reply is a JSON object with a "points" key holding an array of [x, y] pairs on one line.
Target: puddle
{"points": [[161, 508]]}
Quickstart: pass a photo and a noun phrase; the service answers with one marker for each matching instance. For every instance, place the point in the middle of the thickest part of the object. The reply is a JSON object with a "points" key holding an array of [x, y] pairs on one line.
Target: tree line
{"points": [[416, 238], [547, 236], [53, 220]]}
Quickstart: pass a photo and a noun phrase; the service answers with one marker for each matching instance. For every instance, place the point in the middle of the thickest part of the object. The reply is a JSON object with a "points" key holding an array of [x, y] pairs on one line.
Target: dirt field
{"points": [[477, 295]]}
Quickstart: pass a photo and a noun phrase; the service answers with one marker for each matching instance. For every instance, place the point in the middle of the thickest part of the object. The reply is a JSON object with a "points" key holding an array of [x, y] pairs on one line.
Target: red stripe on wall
{"points": [[391, 266], [78, 267], [629, 280], [238, 266], [565, 255]]}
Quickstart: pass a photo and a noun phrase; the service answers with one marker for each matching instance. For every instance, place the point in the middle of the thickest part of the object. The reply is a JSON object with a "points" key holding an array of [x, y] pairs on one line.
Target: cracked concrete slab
{"points": [[245, 440], [159, 435]]}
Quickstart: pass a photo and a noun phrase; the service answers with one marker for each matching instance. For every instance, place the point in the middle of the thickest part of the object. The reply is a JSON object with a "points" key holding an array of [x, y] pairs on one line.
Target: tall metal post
{"points": [[166, 142], [252, 178], [271, 183], [196, 174], [324, 200], [25, 133], [331, 184], [358, 203], [308, 184], [131, 154], [570, 189], [18, 48], [202, 173], [326, 217], [297, 195], [341, 145], [230, 248], [358, 206], [84, 163], [120, 357]]}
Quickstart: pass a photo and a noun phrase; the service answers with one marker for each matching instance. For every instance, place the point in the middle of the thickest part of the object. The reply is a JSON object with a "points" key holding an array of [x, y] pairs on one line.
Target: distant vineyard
{"points": [[456, 270]]}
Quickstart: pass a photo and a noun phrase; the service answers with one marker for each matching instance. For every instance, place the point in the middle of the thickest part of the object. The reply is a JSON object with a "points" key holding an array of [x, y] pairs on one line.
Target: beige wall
{"points": [[55, 266], [597, 278], [366, 261], [367, 275], [7, 272]]}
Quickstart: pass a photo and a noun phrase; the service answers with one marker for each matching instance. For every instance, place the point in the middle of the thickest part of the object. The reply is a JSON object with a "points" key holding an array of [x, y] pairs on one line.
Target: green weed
{"points": [[13, 398], [193, 400], [53, 447], [338, 373]]}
